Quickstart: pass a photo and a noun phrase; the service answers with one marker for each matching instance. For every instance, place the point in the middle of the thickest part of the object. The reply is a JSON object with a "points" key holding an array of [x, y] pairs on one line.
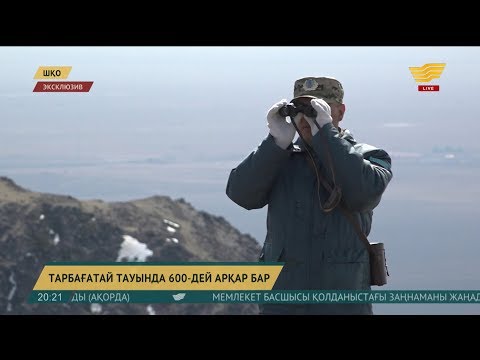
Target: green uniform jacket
{"points": [[321, 251]]}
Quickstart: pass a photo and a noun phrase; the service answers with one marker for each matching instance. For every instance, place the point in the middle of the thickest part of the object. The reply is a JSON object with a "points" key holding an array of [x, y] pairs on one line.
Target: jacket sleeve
{"points": [[362, 171], [250, 182]]}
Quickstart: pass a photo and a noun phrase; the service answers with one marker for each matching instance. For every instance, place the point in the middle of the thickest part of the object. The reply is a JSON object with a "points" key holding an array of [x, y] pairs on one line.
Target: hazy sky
{"points": [[197, 102]]}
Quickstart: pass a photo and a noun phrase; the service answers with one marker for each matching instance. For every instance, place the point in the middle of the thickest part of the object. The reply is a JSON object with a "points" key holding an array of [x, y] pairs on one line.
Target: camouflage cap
{"points": [[327, 88]]}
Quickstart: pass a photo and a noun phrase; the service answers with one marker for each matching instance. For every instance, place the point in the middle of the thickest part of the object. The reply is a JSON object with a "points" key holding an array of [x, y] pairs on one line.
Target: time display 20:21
{"points": [[50, 296]]}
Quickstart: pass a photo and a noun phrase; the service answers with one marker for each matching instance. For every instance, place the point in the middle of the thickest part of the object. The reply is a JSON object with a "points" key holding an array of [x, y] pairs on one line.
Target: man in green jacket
{"points": [[308, 186]]}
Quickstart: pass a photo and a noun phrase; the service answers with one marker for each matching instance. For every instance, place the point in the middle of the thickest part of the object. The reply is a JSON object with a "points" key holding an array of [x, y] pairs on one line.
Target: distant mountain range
{"points": [[439, 154], [36, 228]]}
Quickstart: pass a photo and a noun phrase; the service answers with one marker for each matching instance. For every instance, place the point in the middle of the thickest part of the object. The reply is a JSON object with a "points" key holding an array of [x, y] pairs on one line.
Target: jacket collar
{"points": [[299, 145]]}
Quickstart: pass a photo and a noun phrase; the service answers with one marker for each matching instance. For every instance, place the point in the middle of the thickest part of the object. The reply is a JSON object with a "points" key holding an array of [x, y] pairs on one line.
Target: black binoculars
{"points": [[292, 109]]}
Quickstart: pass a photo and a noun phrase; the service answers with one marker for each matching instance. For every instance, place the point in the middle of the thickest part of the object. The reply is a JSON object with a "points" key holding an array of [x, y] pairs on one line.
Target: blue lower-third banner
{"points": [[261, 297]]}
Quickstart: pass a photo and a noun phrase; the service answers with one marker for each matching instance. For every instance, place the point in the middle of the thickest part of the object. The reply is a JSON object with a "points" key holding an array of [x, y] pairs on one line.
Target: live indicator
{"points": [[428, 87]]}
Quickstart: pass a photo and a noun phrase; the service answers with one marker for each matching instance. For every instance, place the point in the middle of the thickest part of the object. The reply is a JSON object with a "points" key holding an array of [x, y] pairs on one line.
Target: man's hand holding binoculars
{"points": [[282, 131], [323, 114]]}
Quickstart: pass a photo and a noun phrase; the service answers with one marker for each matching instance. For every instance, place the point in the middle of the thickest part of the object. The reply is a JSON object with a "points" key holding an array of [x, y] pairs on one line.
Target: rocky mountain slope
{"points": [[36, 228]]}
